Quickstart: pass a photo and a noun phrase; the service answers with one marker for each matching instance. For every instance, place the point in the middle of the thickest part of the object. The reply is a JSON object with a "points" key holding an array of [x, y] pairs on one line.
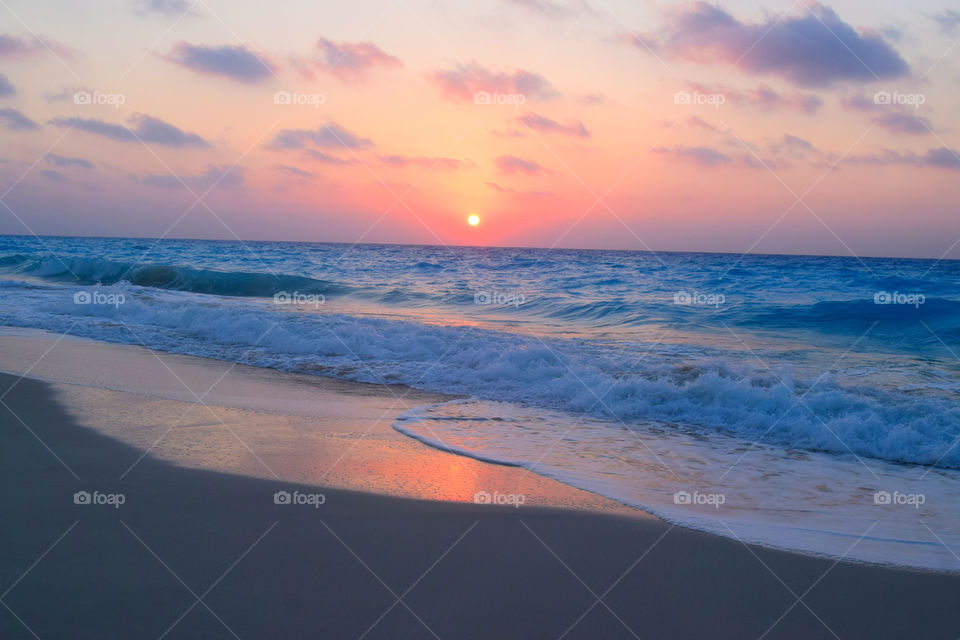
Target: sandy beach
{"points": [[175, 544]]}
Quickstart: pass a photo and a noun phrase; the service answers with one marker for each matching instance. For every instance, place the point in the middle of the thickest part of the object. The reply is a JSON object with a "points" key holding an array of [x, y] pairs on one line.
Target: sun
{"points": [[473, 220]]}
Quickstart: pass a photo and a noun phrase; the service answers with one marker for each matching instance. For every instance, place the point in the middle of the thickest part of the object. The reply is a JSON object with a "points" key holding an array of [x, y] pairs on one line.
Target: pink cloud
{"points": [[352, 61], [512, 164], [466, 80], [543, 124], [424, 161]]}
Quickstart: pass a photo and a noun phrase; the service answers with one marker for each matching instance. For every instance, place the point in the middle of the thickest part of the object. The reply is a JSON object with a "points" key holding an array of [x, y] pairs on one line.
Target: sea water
{"points": [[803, 402]]}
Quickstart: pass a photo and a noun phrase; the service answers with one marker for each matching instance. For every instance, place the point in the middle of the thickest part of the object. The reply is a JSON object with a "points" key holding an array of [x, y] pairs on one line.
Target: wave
{"points": [[96, 271], [627, 383], [908, 311], [573, 299]]}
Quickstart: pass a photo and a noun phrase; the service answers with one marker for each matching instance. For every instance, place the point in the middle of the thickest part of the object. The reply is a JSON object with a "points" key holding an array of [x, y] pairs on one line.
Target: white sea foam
{"points": [[817, 503], [631, 383]]}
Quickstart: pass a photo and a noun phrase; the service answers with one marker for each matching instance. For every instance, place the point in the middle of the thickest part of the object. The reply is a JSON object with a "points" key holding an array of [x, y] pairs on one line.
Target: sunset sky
{"points": [[785, 127]]}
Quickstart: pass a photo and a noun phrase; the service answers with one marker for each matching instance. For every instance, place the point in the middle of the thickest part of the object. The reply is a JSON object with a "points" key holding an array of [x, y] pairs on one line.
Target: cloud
{"points": [[513, 164], [895, 118], [701, 156], [219, 175], [65, 94], [546, 125], [300, 173], [64, 161], [548, 8], [31, 46], [816, 49], [351, 61], [16, 121], [708, 158], [326, 136], [165, 7], [766, 99], [794, 146], [145, 128], [514, 192], [859, 102], [234, 62], [905, 123], [948, 21], [795, 143], [942, 158], [699, 123], [763, 97], [326, 158], [422, 161], [6, 88], [462, 82], [53, 176]]}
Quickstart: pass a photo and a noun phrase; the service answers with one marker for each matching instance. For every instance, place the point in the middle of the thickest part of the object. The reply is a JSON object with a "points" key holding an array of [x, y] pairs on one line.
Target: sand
{"points": [[195, 552]]}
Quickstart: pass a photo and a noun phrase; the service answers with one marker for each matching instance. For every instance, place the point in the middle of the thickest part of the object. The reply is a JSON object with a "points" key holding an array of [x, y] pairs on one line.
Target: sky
{"points": [[765, 127]]}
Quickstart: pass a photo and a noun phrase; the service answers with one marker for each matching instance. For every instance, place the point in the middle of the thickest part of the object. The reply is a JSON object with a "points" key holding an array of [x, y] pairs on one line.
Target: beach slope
{"points": [[194, 553]]}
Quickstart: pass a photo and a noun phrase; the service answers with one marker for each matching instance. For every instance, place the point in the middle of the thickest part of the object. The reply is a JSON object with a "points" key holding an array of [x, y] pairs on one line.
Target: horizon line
{"points": [[491, 246]]}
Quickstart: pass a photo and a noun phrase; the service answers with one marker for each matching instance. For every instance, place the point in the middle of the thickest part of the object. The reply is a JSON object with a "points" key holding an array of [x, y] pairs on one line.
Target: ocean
{"points": [[803, 402]]}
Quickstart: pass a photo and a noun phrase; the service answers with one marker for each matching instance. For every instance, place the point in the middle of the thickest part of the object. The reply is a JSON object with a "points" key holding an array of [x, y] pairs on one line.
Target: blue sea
{"points": [[786, 400]]}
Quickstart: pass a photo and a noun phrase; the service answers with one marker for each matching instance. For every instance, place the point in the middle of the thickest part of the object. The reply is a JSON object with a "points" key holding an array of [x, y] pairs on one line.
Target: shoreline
{"points": [[220, 416], [461, 570], [319, 430]]}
